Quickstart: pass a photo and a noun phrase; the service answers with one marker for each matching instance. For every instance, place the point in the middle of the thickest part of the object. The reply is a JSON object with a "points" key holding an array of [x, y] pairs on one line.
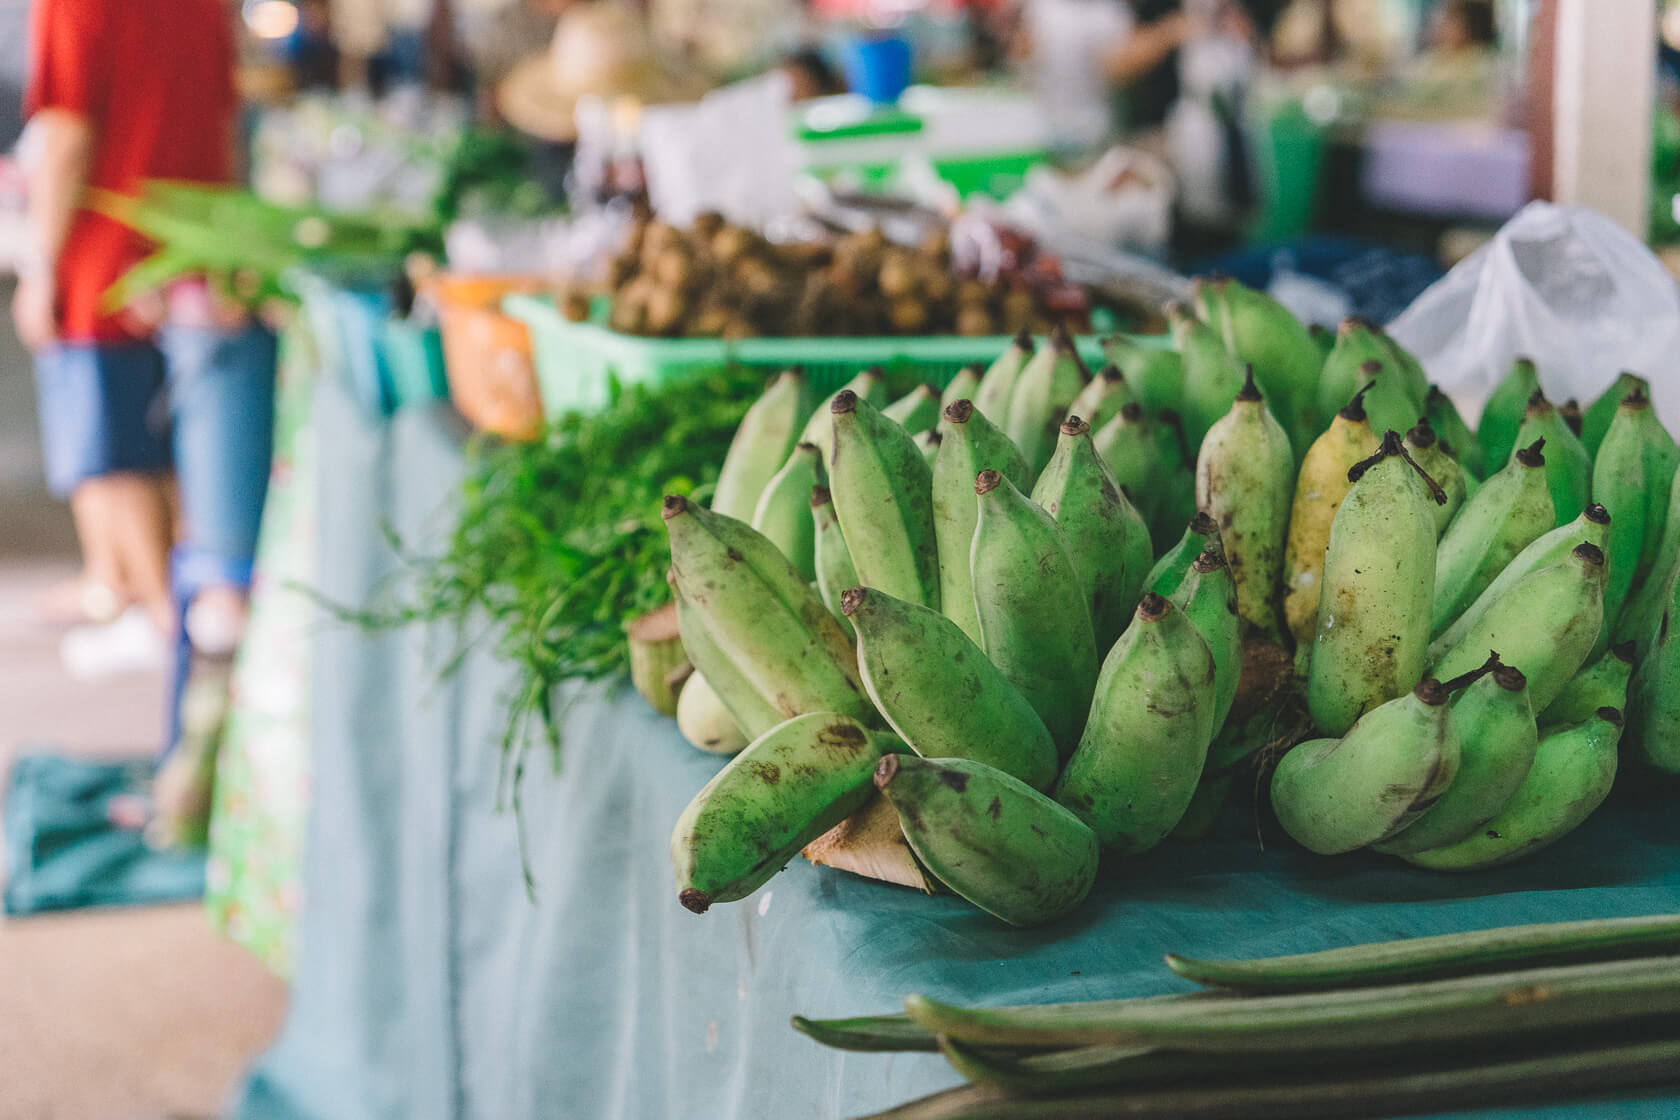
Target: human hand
{"points": [[33, 310]]}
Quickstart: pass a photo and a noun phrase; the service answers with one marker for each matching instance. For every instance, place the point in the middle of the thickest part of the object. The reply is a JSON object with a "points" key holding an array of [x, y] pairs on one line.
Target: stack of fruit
{"points": [[987, 608]]}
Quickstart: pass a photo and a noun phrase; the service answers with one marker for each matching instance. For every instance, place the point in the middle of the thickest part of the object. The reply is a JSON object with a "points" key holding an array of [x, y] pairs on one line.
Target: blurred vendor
{"points": [[1458, 74]]}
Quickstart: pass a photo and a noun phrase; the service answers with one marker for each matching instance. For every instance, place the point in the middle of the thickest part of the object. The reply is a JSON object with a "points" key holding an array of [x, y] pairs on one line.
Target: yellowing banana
{"points": [[1319, 491], [705, 721]]}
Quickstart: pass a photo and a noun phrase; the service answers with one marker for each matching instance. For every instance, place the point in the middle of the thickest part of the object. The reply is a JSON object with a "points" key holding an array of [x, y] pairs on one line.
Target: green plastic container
{"points": [[413, 362], [576, 361]]}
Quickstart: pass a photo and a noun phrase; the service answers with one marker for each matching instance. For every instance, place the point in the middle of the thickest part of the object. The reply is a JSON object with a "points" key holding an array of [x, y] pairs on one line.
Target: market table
{"points": [[428, 984]]}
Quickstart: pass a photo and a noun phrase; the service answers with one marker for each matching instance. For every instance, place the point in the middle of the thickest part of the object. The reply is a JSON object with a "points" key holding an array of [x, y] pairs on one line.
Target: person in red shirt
{"points": [[122, 91]]}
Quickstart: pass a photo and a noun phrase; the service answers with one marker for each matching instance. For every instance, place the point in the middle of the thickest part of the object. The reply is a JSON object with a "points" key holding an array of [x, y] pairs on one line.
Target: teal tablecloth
{"points": [[428, 986]]}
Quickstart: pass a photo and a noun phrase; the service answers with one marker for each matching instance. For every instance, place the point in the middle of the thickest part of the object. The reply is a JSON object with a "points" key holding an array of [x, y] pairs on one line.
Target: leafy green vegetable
{"points": [[559, 543]]}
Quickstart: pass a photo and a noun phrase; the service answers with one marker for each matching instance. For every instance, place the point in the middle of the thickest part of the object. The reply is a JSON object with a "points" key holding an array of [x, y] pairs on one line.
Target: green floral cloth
{"points": [[262, 780]]}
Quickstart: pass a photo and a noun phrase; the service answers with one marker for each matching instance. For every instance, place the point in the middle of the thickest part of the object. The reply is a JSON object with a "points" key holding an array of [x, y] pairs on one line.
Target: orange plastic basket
{"points": [[486, 354]]}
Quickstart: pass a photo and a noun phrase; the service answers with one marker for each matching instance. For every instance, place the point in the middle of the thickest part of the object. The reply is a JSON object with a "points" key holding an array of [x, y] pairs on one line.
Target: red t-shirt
{"points": [[155, 80]]}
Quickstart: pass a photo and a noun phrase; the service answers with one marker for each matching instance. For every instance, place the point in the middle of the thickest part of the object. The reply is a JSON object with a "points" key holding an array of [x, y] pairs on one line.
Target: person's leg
{"points": [[106, 451], [222, 399]]}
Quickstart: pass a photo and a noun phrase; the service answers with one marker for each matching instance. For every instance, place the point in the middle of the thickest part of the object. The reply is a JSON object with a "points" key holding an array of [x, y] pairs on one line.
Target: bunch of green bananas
{"points": [[1047, 614]]}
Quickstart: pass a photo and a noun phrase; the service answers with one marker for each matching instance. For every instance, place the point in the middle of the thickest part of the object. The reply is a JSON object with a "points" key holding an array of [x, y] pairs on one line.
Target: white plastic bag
{"points": [[1564, 286]]}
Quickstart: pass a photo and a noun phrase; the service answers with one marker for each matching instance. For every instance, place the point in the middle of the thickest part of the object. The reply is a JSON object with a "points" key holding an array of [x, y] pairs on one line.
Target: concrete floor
{"points": [[129, 1014]]}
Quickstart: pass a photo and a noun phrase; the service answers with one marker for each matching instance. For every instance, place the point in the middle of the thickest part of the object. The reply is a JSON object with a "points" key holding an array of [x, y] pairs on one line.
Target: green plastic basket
{"points": [[576, 361], [413, 363]]}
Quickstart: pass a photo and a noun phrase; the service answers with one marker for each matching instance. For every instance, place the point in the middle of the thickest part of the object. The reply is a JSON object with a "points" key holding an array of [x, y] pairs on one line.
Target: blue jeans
{"points": [[221, 404], [101, 410]]}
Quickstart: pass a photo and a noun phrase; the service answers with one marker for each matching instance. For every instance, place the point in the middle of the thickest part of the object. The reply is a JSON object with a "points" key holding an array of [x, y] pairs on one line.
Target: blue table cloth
{"points": [[428, 985]]}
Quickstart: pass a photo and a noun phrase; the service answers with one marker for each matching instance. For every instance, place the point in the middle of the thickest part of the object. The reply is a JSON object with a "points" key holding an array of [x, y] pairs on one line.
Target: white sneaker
{"points": [[130, 644]]}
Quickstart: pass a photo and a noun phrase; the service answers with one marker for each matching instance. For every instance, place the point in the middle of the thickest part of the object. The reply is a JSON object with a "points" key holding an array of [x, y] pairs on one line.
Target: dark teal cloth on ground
{"points": [[62, 852], [428, 987]]}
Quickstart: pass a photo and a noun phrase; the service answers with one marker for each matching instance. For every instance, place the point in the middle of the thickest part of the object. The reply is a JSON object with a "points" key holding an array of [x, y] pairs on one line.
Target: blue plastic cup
{"points": [[878, 67]]}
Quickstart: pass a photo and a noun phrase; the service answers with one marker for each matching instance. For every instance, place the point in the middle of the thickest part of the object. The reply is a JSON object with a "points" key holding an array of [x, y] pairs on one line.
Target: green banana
{"points": [[784, 509], [1574, 768], [1154, 373], [1129, 446], [1245, 477], [1034, 622], [1336, 795], [1545, 625], [1319, 490], [767, 436], [997, 386], [1411, 370], [1455, 434], [1208, 599], [916, 411], [1106, 538], [1502, 415], [991, 838], [962, 387], [1141, 755], [1212, 374], [1323, 337], [1173, 567], [883, 496], [1603, 684], [1379, 579], [1635, 464], [1100, 401], [928, 443], [1363, 354], [1654, 702], [1048, 384], [1642, 613], [870, 385], [1568, 466], [939, 692], [1595, 421], [1264, 334], [833, 560], [972, 444], [704, 719], [1592, 527], [788, 787], [1426, 451], [1494, 726], [1511, 511], [748, 709], [760, 617]]}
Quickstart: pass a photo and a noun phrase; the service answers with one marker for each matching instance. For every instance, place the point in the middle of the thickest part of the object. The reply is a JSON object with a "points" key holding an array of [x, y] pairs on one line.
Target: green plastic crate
{"points": [[575, 361]]}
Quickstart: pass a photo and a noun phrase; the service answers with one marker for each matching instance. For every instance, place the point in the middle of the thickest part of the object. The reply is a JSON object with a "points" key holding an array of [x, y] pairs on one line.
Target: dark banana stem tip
{"points": [[987, 481], [1510, 678], [934, 437], [806, 446], [1392, 445], [975, 368], [1354, 410], [878, 371], [695, 900], [1211, 560], [1250, 391], [1060, 339], [1152, 607], [1431, 692], [820, 496], [675, 506], [1024, 341], [1597, 514], [1075, 426], [1465, 680], [1421, 435], [1530, 456], [1203, 524], [1590, 553], [1132, 412], [1111, 372], [844, 401], [1636, 399], [851, 600], [1537, 403], [958, 412], [1609, 715]]}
